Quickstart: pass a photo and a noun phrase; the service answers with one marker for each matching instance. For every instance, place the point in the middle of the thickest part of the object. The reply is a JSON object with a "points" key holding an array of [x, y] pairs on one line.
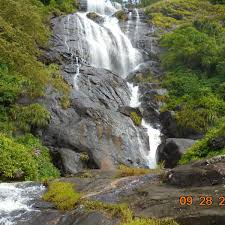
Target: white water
{"points": [[108, 47], [154, 135], [103, 7], [77, 74], [16, 199]]}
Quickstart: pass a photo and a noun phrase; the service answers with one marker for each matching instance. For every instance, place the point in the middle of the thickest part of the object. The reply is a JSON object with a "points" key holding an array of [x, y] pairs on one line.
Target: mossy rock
{"points": [[121, 15], [136, 118], [95, 17]]}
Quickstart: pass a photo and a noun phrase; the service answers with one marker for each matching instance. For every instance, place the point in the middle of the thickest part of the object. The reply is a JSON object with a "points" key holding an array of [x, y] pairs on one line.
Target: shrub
{"points": [[25, 159], [63, 195], [136, 118], [202, 149], [33, 115]]}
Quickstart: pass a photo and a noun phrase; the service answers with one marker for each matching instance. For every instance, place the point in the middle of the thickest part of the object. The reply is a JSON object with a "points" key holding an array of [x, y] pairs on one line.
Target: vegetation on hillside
{"points": [[193, 39], [24, 30]]}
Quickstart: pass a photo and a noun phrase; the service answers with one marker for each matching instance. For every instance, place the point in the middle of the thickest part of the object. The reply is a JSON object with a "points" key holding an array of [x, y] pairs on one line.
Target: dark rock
{"points": [[171, 129], [126, 110], [171, 150], [217, 143], [201, 173], [95, 17]]}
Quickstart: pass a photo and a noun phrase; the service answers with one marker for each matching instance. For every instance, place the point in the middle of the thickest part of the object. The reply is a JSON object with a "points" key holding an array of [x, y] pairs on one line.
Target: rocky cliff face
{"points": [[93, 123]]}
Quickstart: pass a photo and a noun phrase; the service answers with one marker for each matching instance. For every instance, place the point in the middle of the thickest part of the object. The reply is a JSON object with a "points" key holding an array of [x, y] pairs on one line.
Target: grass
{"points": [[125, 171], [62, 195], [143, 221], [115, 210], [136, 118], [65, 197]]}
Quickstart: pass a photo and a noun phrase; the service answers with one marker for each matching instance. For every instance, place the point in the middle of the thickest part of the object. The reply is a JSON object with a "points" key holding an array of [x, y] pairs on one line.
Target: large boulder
{"points": [[72, 161], [201, 173], [170, 151]]}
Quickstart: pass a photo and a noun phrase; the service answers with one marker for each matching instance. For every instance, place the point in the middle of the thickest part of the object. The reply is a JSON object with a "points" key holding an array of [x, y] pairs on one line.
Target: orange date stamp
{"points": [[202, 201]]}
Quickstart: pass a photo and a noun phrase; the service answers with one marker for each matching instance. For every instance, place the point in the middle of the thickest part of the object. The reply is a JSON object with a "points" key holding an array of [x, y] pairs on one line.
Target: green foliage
{"points": [[11, 86], [63, 195], [60, 6], [194, 62], [121, 15], [23, 30], [193, 49], [121, 210], [136, 118], [144, 3], [199, 106], [218, 1], [33, 115], [201, 148], [192, 59], [24, 159], [174, 13]]}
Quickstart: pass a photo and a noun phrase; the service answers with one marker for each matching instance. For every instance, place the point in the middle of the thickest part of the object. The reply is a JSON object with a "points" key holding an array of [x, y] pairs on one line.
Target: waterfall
{"points": [[154, 135], [106, 45], [103, 45], [16, 200], [103, 7], [137, 25], [77, 73]]}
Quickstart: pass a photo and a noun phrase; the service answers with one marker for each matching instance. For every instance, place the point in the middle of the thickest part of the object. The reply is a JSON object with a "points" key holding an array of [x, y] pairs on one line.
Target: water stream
{"points": [[16, 199]]}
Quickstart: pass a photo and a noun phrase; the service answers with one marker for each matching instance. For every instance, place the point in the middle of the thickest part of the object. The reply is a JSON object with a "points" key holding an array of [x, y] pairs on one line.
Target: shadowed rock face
{"points": [[93, 123], [172, 149]]}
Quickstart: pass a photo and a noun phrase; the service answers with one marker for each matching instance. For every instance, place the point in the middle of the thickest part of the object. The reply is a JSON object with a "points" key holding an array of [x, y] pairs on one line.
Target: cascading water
{"points": [[16, 200], [153, 134], [110, 48], [107, 45]]}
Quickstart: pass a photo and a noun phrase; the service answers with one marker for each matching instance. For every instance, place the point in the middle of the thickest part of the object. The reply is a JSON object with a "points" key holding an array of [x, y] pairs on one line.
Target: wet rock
{"points": [[171, 150], [201, 173], [217, 143], [95, 17], [121, 15]]}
